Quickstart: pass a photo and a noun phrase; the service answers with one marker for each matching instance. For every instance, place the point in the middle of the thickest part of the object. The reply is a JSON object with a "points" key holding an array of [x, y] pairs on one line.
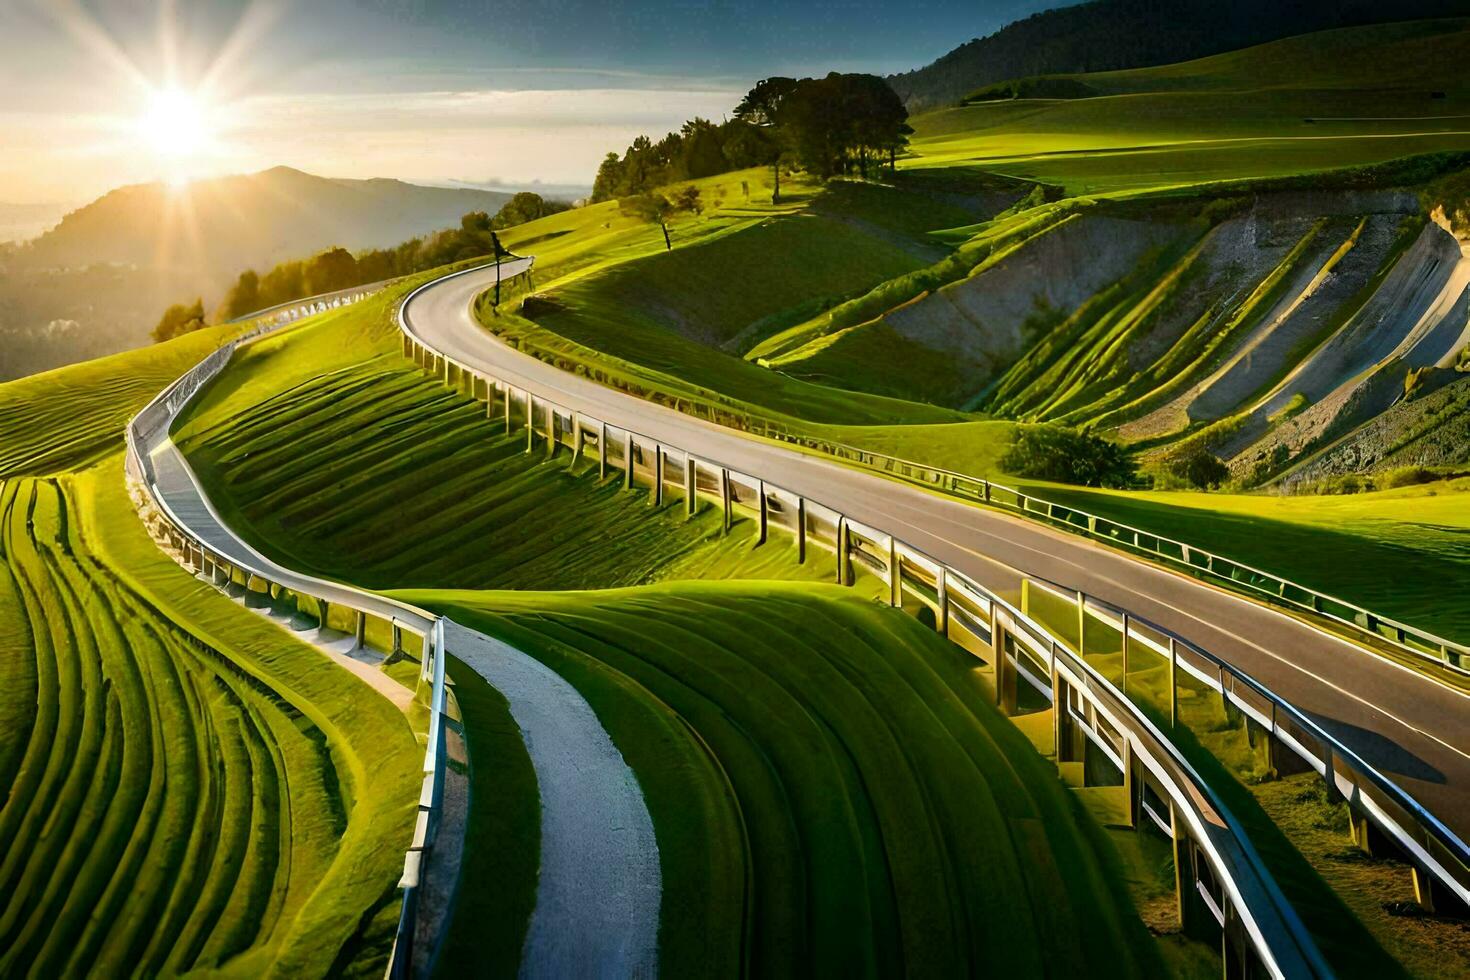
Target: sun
{"points": [[175, 123]]}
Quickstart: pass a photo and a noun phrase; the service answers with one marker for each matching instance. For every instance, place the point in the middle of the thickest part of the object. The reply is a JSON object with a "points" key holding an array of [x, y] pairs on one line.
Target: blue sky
{"points": [[429, 90]]}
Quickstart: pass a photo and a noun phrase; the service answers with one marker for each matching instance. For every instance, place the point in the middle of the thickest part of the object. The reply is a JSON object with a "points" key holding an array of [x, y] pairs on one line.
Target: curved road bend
{"points": [[1412, 729], [599, 884]]}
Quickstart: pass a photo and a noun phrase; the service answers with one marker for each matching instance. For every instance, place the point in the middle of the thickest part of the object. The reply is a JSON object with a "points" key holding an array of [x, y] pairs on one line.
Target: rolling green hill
{"points": [[1316, 102], [1114, 34], [190, 789], [783, 804]]}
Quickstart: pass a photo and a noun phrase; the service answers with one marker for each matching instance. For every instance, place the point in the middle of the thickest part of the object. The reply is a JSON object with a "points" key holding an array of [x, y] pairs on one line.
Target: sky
{"points": [[99, 94]]}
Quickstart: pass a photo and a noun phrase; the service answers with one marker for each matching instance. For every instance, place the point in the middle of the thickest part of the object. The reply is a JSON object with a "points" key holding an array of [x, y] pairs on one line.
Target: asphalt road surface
{"points": [[1412, 729]]}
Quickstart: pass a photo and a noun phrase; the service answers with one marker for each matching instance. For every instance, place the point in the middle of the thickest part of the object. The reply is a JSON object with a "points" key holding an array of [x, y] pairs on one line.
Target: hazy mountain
{"points": [[1111, 34], [19, 222], [217, 227], [98, 281]]}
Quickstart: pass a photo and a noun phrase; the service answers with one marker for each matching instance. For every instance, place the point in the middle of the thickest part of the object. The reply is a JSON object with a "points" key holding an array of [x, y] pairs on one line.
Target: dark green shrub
{"points": [[1054, 452], [1201, 469]]}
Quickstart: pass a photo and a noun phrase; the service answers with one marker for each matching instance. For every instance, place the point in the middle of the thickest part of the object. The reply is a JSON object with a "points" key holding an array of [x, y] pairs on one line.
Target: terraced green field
{"points": [[828, 789], [190, 788]]}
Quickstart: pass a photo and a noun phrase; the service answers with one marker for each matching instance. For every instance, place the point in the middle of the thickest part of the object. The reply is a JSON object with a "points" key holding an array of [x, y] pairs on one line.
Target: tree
{"points": [[651, 207], [329, 271], [243, 297], [609, 179], [764, 107], [1054, 452], [687, 198], [704, 156], [179, 319], [282, 284], [524, 206], [1200, 468], [476, 222]]}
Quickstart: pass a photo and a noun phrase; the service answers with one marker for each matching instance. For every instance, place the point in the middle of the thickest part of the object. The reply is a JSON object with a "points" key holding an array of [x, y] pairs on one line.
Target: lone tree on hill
{"points": [[655, 207], [651, 207]]}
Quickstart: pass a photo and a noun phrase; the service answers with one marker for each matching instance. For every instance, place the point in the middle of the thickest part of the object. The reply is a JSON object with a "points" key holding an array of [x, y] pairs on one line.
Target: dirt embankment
{"points": [[1432, 429], [989, 318], [1415, 320]]}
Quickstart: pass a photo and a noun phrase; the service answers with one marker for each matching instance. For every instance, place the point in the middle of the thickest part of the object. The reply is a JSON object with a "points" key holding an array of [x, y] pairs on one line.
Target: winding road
{"points": [[599, 882], [1411, 728]]}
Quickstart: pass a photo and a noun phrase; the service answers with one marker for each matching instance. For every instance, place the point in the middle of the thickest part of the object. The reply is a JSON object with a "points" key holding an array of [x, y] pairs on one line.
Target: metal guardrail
{"points": [[1433, 848], [146, 432], [1272, 588], [1251, 908]]}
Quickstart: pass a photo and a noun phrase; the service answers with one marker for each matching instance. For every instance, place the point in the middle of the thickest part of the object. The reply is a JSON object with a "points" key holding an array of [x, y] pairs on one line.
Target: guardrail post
{"points": [[1005, 675], [359, 631], [552, 436], [725, 501], [658, 474], [1184, 877], [895, 575], [765, 513], [942, 593], [1125, 653], [1173, 682], [691, 485], [1329, 773], [576, 437], [530, 421], [509, 397], [397, 642], [628, 460], [1081, 625], [601, 451], [841, 549], [801, 530]]}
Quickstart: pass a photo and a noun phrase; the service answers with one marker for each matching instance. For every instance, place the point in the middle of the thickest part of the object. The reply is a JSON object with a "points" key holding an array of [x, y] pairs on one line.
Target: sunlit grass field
{"points": [[820, 768], [1318, 102], [190, 789], [828, 790]]}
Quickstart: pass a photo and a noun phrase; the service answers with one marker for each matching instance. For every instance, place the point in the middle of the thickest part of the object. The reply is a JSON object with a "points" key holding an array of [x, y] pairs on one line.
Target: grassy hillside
{"points": [[828, 792], [1404, 553], [1315, 102], [191, 789], [679, 322], [781, 845], [1109, 34]]}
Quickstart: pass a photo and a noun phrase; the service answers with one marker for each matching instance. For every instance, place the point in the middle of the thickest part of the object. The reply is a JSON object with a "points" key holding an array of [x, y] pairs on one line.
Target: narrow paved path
{"points": [[1413, 729], [599, 888]]}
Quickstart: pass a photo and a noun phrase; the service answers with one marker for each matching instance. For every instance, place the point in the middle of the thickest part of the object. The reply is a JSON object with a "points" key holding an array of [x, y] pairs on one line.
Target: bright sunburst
{"points": [[175, 123]]}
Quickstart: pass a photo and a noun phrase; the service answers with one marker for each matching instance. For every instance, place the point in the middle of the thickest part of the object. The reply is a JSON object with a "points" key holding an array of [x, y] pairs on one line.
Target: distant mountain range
{"points": [[97, 282], [214, 228], [1110, 34]]}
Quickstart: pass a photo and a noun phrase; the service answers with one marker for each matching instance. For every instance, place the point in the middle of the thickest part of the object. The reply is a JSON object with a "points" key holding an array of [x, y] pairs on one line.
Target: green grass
{"points": [[447, 499], [189, 787], [790, 770], [73, 416], [1217, 743], [1402, 553], [488, 925], [1316, 102], [289, 460]]}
